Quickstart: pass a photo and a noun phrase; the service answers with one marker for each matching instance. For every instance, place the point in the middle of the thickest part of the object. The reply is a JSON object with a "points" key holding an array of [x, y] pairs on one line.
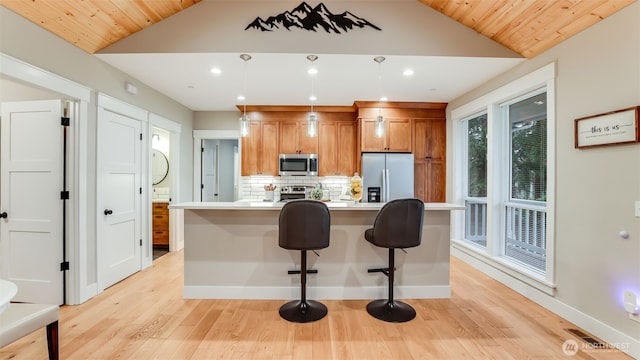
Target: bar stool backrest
{"points": [[304, 225], [399, 224]]}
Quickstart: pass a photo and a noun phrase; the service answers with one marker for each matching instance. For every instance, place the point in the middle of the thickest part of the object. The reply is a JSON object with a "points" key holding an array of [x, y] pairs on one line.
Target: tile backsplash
{"points": [[252, 187]]}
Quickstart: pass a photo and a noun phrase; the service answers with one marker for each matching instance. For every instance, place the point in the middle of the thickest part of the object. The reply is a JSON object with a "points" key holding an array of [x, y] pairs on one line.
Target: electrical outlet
{"points": [[631, 302]]}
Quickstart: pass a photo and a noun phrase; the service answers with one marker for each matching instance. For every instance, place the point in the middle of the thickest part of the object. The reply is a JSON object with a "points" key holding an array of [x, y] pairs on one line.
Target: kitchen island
{"points": [[231, 252]]}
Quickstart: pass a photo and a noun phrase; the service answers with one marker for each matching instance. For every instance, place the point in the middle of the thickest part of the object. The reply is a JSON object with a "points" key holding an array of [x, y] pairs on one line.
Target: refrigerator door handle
{"points": [[386, 185], [383, 193]]}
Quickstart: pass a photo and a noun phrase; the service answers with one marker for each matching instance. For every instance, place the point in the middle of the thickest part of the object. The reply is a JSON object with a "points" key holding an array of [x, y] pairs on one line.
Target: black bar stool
{"points": [[303, 225], [397, 225]]}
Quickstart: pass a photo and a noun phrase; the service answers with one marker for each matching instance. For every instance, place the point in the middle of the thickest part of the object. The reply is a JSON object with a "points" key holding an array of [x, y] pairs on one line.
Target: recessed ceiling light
{"points": [[312, 71], [241, 97], [313, 98], [216, 71], [383, 98], [408, 72]]}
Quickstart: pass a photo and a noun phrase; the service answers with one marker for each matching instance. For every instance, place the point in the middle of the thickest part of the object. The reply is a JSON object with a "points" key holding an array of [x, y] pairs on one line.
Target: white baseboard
{"points": [[87, 293], [325, 293]]}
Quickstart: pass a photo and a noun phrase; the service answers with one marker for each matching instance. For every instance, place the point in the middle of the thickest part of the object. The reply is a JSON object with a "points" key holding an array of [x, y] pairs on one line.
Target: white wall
{"points": [[216, 120], [219, 26], [598, 71]]}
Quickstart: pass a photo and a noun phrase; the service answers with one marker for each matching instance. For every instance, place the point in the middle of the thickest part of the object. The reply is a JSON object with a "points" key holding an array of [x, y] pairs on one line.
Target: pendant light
{"points": [[379, 128], [244, 120], [312, 120]]}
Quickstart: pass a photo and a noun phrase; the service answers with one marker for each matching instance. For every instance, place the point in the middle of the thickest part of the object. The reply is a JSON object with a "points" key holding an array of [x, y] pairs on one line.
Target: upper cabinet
{"points": [[337, 149], [397, 136], [260, 149], [430, 159], [283, 130], [430, 139], [294, 139]]}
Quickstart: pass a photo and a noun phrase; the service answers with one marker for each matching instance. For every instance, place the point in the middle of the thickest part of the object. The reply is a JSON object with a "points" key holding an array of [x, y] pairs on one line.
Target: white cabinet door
{"points": [[31, 178]]}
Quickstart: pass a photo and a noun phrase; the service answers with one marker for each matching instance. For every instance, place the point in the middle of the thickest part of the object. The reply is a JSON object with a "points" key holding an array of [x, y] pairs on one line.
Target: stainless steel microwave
{"points": [[298, 164]]}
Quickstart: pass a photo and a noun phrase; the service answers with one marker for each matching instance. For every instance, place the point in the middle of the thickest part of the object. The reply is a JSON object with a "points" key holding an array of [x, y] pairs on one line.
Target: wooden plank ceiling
{"points": [[93, 25], [528, 27]]}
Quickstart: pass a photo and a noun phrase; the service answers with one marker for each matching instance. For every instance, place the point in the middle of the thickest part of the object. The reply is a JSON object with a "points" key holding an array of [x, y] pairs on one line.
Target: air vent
{"points": [[594, 343]]}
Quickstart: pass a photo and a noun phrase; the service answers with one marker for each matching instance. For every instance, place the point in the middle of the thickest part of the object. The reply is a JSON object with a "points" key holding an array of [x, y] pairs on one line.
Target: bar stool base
{"points": [[394, 311], [303, 312]]}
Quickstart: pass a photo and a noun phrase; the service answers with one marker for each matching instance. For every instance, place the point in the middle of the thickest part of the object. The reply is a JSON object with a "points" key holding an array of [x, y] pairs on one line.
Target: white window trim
{"points": [[490, 103]]}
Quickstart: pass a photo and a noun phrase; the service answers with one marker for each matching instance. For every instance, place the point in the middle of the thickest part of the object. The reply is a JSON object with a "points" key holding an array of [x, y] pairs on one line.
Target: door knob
{"points": [[108, 211], [3, 215]]}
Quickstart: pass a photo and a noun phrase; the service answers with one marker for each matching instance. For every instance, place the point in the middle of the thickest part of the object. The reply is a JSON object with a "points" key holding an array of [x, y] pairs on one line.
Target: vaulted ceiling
{"points": [[527, 27], [277, 75]]}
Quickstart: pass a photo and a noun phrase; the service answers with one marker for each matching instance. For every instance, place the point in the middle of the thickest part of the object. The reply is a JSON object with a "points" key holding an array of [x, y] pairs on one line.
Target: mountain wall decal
{"points": [[310, 18]]}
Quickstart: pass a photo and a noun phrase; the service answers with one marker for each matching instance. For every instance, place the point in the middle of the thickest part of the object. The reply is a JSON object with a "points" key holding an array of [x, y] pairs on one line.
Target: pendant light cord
{"points": [[379, 60], [244, 90], [245, 57]]}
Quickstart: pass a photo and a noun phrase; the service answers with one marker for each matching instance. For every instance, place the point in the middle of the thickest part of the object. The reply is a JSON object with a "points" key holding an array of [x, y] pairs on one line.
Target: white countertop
{"points": [[268, 205]]}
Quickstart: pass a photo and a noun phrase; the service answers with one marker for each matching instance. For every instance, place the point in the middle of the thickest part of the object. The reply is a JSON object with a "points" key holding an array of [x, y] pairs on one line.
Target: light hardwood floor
{"points": [[145, 317]]}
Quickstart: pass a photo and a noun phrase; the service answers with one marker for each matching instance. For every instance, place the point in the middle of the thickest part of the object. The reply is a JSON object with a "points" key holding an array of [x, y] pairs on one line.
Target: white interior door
{"points": [[118, 197], [210, 184], [31, 178]]}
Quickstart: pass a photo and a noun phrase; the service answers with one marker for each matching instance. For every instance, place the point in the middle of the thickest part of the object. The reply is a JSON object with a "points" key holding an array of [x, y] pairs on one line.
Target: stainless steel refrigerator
{"points": [[391, 175]]}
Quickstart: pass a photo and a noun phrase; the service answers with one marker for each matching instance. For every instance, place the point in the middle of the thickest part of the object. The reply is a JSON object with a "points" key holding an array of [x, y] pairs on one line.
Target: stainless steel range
{"points": [[292, 192]]}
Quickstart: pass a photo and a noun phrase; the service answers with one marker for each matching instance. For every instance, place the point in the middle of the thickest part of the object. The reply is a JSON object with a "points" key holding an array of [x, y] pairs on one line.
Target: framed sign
{"points": [[612, 128]]}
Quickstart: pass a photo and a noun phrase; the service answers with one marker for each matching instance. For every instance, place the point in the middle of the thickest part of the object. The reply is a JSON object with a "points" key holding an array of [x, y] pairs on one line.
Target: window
{"points": [[525, 211], [504, 171], [476, 197]]}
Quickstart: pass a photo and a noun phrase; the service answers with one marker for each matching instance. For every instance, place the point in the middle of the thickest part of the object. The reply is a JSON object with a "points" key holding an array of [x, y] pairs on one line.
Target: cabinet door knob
{"points": [[108, 211], [3, 215]]}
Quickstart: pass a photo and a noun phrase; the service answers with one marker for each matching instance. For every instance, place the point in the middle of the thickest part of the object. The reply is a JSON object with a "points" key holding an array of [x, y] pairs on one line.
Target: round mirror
{"points": [[159, 167]]}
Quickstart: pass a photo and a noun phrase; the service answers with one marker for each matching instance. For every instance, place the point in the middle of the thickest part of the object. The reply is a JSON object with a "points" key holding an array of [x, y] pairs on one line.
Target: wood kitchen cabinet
{"points": [[337, 154], [397, 137], [260, 149], [430, 159], [294, 139], [160, 221]]}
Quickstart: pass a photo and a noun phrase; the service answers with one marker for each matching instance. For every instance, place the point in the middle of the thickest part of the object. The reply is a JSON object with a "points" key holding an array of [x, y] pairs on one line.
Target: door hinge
{"points": [[201, 186], [201, 149], [140, 242], [140, 136], [140, 190], [64, 266], [65, 121], [64, 195]]}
